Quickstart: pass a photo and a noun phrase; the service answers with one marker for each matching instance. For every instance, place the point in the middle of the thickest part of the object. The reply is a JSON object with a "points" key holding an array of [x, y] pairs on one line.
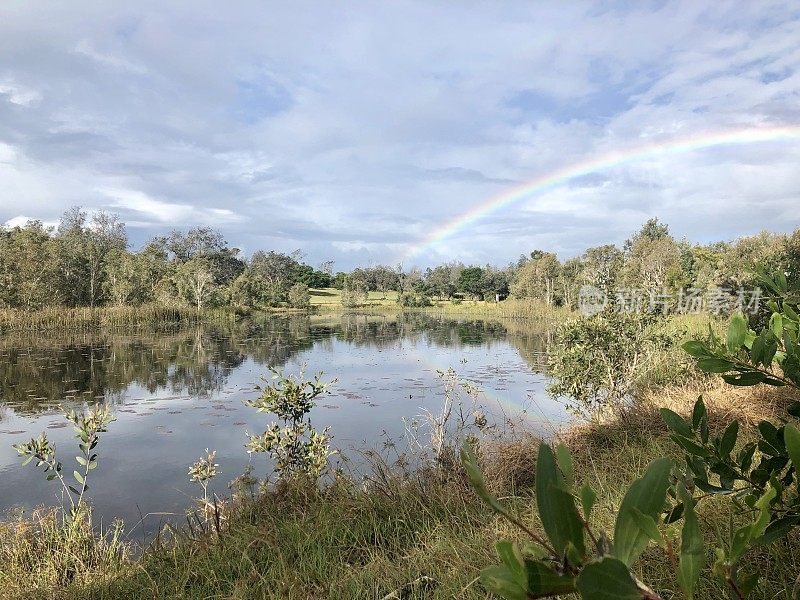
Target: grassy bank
{"points": [[424, 535], [151, 316]]}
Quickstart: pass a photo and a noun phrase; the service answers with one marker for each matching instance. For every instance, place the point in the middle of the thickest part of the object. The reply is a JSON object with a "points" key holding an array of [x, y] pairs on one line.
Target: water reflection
{"points": [[178, 392], [39, 374]]}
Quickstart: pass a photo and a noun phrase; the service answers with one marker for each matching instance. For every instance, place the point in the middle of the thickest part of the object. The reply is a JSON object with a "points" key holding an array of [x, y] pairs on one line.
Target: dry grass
{"points": [[150, 316]]}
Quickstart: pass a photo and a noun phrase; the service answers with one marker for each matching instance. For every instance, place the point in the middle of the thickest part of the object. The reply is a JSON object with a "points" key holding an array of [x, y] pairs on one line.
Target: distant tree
{"points": [[537, 278], [126, 278], [569, 281], [651, 256], [442, 280], [383, 279], [83, 249], [494, 282], [469, 281], [249, 290], [602, 266], [338, 280], [194, 281], [104, 235], [653, 230], [299, 296], [72, 267], [29, 270], [355, 291], [198, 241]]}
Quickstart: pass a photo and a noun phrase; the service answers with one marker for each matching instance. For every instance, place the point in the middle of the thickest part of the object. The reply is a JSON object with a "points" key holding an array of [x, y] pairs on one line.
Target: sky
{"points": [[356, 132]]}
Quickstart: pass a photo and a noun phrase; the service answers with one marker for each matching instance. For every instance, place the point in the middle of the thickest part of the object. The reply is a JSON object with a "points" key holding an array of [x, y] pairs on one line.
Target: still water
{"points": [[176, 393]]}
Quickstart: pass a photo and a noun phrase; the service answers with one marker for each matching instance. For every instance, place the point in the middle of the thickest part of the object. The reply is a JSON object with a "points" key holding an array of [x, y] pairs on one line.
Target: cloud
{"points": [[356, 132], [156, 212], [18, 94]]}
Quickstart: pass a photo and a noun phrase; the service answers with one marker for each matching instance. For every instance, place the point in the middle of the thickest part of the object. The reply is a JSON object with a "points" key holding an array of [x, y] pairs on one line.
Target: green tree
{"points": [[470, 280], [194, 281], [602, 266], [538, 277], [651, 256], [299, 296]]}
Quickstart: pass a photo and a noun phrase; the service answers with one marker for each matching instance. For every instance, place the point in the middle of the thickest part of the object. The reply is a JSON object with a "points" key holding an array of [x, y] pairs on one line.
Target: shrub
{"points": [[413, 300], [598, 361], [295, 447], [299, 296], [758, 481], [354, 292], [88, 426]]}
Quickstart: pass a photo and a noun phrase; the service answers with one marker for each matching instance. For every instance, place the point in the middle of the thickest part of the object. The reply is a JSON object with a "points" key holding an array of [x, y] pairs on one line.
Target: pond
{"points": [[176, 393]]}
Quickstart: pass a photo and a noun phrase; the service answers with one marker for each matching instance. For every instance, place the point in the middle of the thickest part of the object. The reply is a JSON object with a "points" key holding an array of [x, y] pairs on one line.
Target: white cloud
{"points": [[17, 93], [22, 220], [357, 132], [170, 213]]}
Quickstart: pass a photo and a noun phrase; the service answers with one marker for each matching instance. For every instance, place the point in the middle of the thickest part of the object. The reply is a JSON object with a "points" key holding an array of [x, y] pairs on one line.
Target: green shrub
{"points": [[295, 447], [758, 480], [598, 361], [413, 300], [299, 296]]}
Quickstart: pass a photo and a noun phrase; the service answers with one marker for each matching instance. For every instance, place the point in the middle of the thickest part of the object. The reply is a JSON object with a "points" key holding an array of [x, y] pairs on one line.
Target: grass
{"points": [[149, 316], [425, 534], [331, 299]]}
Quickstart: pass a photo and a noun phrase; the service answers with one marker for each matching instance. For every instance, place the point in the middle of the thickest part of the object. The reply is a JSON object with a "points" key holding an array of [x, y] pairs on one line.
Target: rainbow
{"points": [[595, 164]]}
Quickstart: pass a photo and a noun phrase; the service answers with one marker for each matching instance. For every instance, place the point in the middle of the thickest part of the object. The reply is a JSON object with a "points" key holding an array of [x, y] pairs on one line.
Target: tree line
{"points": [[86, 261]]}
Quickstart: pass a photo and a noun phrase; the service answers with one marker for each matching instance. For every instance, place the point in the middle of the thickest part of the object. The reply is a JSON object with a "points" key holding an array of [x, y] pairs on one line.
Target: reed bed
{"points": [[151, 316]]}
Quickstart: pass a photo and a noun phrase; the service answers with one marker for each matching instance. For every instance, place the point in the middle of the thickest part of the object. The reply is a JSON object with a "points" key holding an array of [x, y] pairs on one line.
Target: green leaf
{"points": [[776, 325], [511, 557], [794, 409], [769, 354], [690, 446], [747, 583], [557, 510], [757, 351], [476, 479], [777, 529], [676, 422], [692, 554], [714, 365], [697, 349], [728, 441], [565, 462], [78, 477], [81, 460], [791, 437], [608, 579], [744, 379], [737, 330], [745, 456], [789, 312], [646, 495], [648, 526], [588, 498], [500, 582], [544, 581], [698, 413], [675, 514]]}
